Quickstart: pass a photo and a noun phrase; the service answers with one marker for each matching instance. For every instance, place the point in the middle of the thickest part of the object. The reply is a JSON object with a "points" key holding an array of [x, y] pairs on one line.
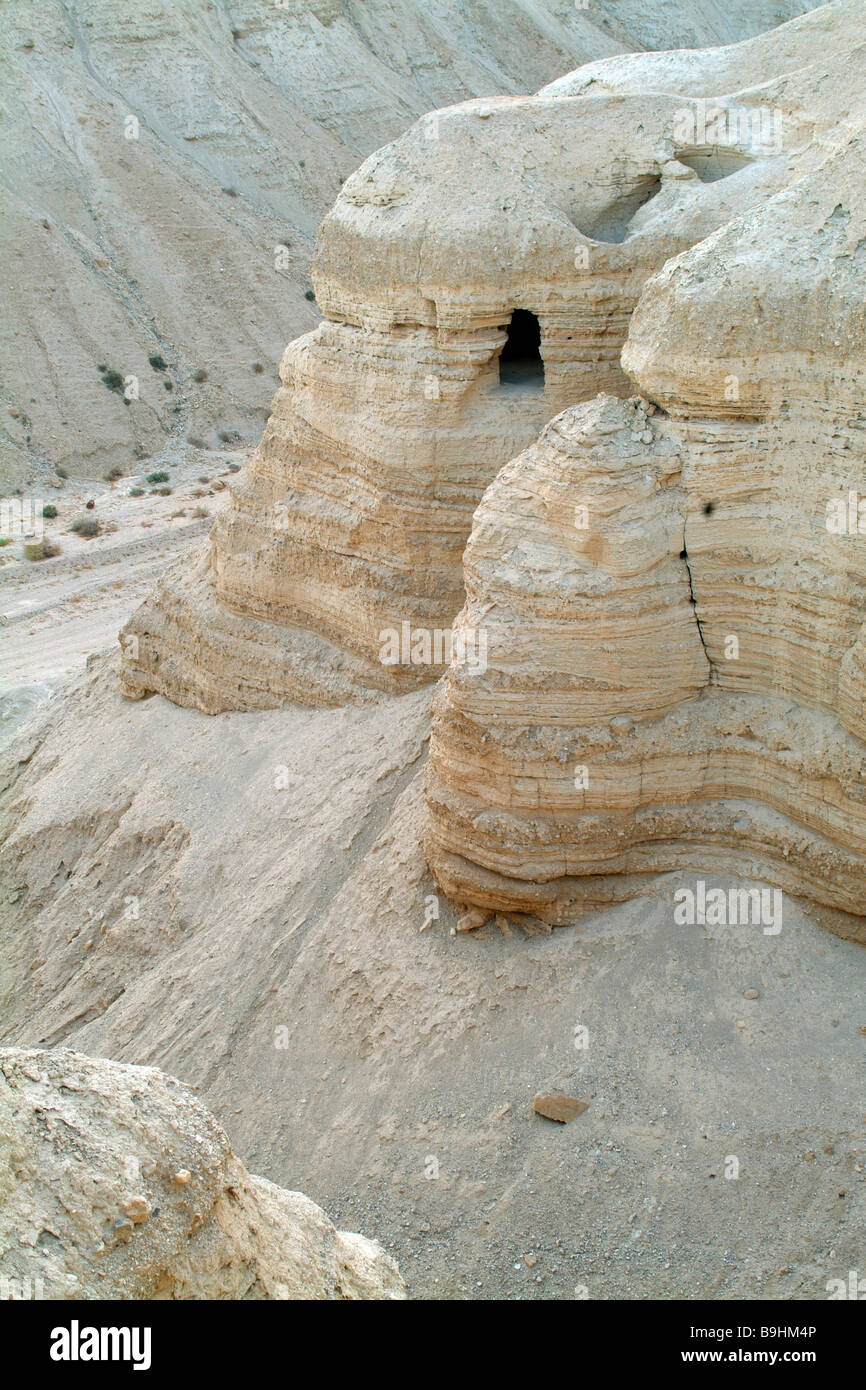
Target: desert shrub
{"points": [[61, 472], [258, 368], [40, 550], [136, 492], [228, 436], [158, 363], [5, 540], [309, 294], [49, 511], [169, 385], [180, 512], [234, 468], [203, 480], [113, 474], [85, 526], [199, 374], [160, 491], [113, 380], [201, 512], [159, 477]]}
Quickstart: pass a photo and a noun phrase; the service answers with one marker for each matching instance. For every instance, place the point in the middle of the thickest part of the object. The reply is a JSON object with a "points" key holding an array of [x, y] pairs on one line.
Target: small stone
{"points": [[530, 1261], [182, 1177], [559, 1108], [751, 994], [137, 1209], [473, 919], [809, 1155]]}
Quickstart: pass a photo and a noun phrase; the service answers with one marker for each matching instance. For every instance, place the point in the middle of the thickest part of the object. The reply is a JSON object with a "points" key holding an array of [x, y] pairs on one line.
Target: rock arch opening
{"points": [[520, 362]]}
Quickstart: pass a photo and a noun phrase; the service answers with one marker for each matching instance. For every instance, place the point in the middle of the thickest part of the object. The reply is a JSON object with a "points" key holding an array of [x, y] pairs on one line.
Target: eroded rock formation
{"points": [[397, 412], [115, 1182], [673, 586]]}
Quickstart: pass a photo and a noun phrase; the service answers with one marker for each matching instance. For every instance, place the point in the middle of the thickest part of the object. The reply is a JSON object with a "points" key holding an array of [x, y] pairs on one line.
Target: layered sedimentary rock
{"points": [[397, 412], [673, 587], [115, 1182]]}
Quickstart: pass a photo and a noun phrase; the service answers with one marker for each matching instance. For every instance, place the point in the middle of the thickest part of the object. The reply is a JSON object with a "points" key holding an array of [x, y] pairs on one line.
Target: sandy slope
{"points": [[240, 901]]}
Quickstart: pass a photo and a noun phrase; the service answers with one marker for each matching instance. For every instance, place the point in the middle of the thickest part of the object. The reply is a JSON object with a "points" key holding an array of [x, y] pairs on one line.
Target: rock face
{"points": [[672, 586], [115, 1182], [476, 277]]}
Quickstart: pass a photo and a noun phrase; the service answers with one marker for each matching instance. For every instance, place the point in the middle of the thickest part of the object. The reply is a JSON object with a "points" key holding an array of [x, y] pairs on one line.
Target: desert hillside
{"points": [[165, 167], [472, 810]]}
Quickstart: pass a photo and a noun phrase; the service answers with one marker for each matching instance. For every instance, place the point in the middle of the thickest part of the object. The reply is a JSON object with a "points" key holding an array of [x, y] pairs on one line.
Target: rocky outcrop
{"points": [[476, 277], [115, 1182], [672, 587]]}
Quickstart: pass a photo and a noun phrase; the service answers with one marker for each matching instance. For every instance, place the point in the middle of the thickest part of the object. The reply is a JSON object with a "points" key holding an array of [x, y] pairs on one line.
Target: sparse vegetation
{"points": [[113, 474], [200, 374], [201, 512], [309, 294], [196, 441], [113, 380], [258, 368], [158, 363], [49, 511], [136, 492], [160, 491], [86, 526], [158, 477], [61, 472], [234, 468], [169, 385], [40, 550]]}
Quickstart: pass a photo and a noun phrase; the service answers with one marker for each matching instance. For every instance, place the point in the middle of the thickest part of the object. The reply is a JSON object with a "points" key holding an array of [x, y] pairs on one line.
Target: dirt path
{"points": [[55, 613]]}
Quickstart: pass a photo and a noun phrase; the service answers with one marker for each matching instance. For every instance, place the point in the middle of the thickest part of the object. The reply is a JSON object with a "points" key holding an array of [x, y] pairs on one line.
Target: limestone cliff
{"points": [[673, 586]]}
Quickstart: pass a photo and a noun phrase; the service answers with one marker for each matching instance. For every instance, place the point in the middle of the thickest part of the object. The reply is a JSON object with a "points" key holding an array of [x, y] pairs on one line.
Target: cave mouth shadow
{"points": [[520, 362]]}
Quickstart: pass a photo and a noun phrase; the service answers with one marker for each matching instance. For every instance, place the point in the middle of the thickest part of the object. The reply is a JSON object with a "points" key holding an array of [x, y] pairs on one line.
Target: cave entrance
{"points": [[520, 362]]}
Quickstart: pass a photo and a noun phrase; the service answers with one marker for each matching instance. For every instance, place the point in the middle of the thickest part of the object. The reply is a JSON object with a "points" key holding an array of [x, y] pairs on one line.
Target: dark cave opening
{"points": [[520, 362]]}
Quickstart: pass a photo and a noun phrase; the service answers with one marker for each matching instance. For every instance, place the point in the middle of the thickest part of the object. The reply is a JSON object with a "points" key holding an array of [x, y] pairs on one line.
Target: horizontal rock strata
{"points": [[396, 413], [676, 681]]}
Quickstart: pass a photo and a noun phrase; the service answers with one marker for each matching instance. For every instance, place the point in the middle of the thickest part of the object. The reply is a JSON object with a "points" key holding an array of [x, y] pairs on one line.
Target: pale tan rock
{"points": [[677, 682], [337, 571], [77, 1138]]}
